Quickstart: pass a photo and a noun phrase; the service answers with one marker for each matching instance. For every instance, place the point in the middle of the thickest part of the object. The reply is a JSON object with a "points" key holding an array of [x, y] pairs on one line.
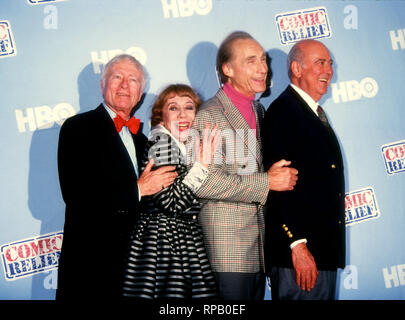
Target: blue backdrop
{"points": [[51, 55]]}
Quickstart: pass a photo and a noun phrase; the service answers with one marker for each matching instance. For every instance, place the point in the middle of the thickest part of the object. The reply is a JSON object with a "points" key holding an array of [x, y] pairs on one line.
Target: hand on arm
{"points": [[281, 177], [151, 182]]}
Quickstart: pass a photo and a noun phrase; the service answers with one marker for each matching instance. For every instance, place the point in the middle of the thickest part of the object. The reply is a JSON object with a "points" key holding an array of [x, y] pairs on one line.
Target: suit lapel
{"points": [[140, 142], [240, 125], [259, 114], [328, 133], [305, 107]]}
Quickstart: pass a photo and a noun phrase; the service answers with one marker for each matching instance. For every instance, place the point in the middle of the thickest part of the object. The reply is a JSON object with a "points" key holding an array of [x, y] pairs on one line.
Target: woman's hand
{"points": [[210, 142]]}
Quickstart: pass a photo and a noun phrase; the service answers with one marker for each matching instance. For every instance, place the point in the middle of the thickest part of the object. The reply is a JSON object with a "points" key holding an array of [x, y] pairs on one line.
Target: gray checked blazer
{"points": [[235, 191]]}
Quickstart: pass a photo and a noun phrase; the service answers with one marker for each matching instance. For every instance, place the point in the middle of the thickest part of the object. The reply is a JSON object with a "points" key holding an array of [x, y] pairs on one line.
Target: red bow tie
{"points": [[132, 124]]}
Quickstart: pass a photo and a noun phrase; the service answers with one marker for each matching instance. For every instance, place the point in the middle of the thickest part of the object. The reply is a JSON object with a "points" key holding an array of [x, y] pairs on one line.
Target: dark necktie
{"points": [[322, 116], [132, 124]]}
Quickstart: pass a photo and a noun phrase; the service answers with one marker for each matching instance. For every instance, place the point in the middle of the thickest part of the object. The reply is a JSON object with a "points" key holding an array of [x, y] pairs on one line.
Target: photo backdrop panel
{"points": [[52, 53]]}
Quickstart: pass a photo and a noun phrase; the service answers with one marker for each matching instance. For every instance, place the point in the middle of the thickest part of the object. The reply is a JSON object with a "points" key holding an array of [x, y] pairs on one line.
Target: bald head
{"points": [[310, 67]]}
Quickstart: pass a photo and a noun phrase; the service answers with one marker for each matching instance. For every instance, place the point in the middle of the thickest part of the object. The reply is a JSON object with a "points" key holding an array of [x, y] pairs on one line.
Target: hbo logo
{"points": [[185, 8], [102, 57], [43, 117], [354, 90]]}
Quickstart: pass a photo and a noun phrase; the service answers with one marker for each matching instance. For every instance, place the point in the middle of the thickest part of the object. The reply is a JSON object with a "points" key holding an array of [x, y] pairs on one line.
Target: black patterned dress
{"points": [[167, 257]]}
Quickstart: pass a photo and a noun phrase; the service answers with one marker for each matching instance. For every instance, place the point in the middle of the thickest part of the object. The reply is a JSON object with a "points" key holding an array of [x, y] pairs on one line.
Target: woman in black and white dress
{"points": [[167, 257]]}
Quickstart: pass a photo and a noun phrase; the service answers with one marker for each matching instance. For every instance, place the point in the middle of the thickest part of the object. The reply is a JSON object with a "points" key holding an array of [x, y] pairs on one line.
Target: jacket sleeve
{"points": [[283, 138]]}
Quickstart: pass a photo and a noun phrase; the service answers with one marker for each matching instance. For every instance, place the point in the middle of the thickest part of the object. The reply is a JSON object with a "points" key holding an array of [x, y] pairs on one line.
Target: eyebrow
{"points": [[322, 59], [252, 57]]}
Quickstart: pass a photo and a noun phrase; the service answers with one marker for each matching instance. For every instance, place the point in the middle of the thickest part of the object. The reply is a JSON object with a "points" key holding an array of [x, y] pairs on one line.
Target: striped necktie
{"points": [[322, 116]]}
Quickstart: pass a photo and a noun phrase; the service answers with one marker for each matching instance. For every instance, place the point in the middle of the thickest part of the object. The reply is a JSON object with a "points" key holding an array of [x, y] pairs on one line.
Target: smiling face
{"points": [[178, 114], [314, 73], [247, 69], [122, 88]]}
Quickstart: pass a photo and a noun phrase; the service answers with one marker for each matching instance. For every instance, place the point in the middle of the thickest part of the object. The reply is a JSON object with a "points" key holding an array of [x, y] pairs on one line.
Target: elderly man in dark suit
{"points": [[101, 186], [305, 230], [235, 191]]}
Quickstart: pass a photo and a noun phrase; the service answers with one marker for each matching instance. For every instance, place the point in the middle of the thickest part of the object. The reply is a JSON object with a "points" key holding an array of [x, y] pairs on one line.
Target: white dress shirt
{"points": [[126, 138], [307, 98]]}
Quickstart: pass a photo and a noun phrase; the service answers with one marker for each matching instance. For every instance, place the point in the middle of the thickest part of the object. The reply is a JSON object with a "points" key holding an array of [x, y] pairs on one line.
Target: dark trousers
{"points": [[241, 286], [284, 286]]}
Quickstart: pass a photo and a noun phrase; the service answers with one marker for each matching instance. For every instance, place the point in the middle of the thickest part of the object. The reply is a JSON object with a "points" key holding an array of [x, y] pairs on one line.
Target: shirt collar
{"points": [[306, 97], [110, 112]]}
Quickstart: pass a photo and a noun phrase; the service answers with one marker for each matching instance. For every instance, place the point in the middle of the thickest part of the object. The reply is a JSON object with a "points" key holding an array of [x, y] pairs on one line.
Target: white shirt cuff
{"points": [[139, 192], [196, 176], [292, 245]]}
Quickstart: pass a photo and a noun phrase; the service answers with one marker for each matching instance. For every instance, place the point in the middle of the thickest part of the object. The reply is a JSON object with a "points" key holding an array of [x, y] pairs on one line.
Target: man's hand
{"points": [[305, 267], [282, 178], [151, 182]]}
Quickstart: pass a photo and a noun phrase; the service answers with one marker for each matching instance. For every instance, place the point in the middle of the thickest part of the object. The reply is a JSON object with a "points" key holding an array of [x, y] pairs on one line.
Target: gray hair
{"points": [[129, 58], [295, 54]]}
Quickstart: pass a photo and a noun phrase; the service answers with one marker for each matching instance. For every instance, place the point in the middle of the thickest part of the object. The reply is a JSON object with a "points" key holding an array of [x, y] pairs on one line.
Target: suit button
{"points": [[333, 166]]}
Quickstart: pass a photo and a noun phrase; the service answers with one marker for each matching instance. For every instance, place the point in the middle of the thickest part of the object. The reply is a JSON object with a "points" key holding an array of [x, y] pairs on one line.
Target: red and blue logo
{"points": [[7, 45], [30, 256], [394, 157], [303, 24], [361, 205]]}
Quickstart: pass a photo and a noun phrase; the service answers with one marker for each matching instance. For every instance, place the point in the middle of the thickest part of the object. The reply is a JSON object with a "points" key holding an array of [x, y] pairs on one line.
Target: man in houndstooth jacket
{"points": [[236, 189]]}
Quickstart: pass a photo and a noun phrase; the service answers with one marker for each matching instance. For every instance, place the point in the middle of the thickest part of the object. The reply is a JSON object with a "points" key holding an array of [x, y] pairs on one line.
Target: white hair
{"points": [[125, 57]]}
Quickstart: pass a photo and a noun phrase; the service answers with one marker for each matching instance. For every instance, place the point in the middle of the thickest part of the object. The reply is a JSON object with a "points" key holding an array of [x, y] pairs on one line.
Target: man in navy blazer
{"points": [[305, 230], [101, 186]]}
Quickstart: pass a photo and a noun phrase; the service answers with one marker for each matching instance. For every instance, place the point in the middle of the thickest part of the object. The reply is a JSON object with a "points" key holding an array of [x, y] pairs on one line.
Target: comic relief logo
{"points": [[303, 24], [30, 256], [34, 2], [7, 45], [361, 205], [394, 156]]}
